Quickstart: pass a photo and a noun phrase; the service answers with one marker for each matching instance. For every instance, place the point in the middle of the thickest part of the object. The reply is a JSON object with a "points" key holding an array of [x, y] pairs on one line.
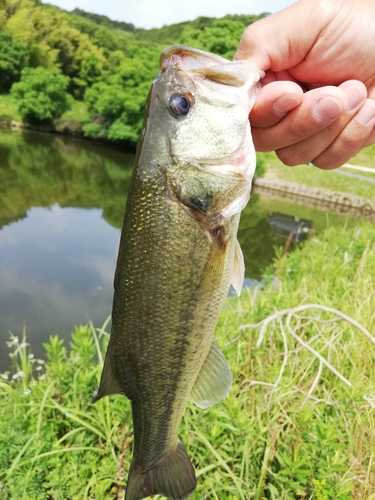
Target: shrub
{"points": [[12, 55], [41, 94]]}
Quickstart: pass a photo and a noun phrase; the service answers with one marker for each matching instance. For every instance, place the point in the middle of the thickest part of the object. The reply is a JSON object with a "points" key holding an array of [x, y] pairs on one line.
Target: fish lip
{"points": [[191, 59], [177, 53], [196, 62]]}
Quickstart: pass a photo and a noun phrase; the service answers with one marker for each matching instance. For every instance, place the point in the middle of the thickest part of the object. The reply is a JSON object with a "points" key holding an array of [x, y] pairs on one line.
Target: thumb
{"points": [[281, 41]]}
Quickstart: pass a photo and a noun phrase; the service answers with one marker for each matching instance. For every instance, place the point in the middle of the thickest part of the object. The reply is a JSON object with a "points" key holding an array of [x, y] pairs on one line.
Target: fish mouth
{"points": [[210, 66], [189, 57]]}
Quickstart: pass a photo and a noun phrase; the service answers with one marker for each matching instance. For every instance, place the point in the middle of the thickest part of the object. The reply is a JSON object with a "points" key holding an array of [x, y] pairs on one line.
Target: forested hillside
{"points": [[50, 59]]}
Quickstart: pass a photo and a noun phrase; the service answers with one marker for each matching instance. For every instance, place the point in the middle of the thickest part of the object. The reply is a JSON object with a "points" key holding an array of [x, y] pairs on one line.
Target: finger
{"points": [[273, 103], [351, 140], [262, 44], [319, 108], [312, 147], [370, 139], [285, 76]]}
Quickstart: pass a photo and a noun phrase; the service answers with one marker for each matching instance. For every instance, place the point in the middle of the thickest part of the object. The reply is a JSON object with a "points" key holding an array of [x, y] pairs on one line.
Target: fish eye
{"points": [[180, 104]]}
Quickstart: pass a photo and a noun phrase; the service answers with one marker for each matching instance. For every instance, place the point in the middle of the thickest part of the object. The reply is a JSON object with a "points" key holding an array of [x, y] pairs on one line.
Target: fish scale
{"points": [[178, 254], [158, 310]]}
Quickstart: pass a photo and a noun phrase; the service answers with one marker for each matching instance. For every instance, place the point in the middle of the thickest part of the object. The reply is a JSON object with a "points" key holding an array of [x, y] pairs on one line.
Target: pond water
{"points": [[61, 209]]}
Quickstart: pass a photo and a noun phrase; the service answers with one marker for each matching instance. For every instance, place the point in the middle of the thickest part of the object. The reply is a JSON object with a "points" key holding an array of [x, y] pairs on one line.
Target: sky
{"points": [[155, 13]]}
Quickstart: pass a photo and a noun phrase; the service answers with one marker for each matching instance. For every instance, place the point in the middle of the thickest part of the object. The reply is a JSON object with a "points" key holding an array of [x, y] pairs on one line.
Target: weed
{"points": [[298, 423]]}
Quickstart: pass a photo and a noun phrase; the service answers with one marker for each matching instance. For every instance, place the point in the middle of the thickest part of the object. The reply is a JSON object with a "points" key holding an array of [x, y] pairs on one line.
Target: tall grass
{"points": [[291, 427]]}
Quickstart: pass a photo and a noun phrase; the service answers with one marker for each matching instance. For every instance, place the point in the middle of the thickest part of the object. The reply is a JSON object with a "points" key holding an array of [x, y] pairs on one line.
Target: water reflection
{"points": [[56, 270], [40, 170], [61, 209]]}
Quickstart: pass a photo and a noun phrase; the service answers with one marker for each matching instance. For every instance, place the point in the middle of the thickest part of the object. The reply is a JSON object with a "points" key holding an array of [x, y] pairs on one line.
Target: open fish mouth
{"points": [[209, 86], [210, 66]]}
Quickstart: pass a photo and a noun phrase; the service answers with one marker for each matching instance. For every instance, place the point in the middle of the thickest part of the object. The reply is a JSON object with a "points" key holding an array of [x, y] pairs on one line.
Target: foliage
{"points": [[110, 64], [221, 37], [260, 166], [89, 72], [41, 94], [282, 433], [118, 102], [77, 112], [104, 20], [12, 56], [9, 108], [171, 34]]}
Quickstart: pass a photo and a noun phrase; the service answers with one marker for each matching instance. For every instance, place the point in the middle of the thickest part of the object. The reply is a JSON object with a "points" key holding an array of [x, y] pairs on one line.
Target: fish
{"points": [[178, 256]]}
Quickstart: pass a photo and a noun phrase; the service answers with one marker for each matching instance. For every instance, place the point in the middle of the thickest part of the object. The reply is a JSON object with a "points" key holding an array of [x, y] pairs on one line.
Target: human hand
{"points": [[316, 103]]}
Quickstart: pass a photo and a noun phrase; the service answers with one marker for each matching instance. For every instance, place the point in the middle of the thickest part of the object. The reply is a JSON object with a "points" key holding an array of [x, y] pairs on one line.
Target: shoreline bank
{"points": [[343, 203], [336, 201], [67, 128]]}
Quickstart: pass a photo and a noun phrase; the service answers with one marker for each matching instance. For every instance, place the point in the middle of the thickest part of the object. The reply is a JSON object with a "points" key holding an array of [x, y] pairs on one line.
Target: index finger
{"points": [[274, 101], [277, 42]]}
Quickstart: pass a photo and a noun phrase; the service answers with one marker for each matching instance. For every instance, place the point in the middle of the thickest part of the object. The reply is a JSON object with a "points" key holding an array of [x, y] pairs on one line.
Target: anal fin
{"points": [[214, 380], [108, 382]]}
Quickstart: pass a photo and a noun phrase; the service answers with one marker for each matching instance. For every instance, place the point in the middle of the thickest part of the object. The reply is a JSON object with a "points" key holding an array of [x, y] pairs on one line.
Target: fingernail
{"points": [[366, 113], [327, 108], [286, 102], [354, 95]]}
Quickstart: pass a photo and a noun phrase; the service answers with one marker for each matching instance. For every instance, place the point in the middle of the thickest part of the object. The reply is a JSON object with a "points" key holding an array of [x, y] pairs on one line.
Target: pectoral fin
{"points": [[214, 381], [238, 273]]}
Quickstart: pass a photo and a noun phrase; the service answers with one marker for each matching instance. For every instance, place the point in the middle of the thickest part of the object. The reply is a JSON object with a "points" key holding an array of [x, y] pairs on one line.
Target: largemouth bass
{"points": [[178, 255]]}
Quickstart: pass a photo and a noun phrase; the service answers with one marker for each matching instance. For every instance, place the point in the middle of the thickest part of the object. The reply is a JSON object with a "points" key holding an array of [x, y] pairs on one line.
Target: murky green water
{"points": [[61, 208]]}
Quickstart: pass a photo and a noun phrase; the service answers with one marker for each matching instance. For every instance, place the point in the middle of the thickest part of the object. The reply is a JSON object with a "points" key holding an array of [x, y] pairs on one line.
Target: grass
{"points": [[78, 112], [291, 428], [9, 109], [331, 179], [365, 157], [370, 174]]}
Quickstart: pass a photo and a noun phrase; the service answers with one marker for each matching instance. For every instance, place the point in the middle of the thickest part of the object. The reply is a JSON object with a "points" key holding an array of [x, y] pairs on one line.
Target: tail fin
{"points": [[174, 478]]}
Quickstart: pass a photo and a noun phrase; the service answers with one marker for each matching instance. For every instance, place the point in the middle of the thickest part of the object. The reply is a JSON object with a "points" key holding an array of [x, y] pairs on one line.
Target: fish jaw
{"points": [[216, 132], [212, 66]]}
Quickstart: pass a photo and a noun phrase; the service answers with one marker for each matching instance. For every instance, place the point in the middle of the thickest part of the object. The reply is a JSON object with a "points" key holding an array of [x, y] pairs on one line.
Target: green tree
{"points": [[53, 42], [89, 72], [117, 103], [12, 56], [221, 37], [41, 94]]}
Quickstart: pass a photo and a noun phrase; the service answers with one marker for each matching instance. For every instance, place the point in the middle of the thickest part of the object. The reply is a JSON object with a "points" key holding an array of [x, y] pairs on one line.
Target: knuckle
{"points": [[261, 143], [328, 160], [349, 141], [289, 157]]}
